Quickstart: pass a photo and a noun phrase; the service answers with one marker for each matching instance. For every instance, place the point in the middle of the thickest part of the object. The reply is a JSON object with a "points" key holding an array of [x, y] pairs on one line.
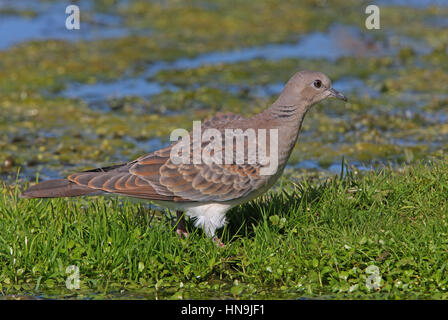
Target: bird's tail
{"points": [[56, 189]]}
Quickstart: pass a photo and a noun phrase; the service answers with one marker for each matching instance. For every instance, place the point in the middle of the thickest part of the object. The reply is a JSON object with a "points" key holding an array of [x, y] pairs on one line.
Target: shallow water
{"points": [[338, 42], [414, 3], [117, 89], [329, 46], [49, 23], [317, 45]]}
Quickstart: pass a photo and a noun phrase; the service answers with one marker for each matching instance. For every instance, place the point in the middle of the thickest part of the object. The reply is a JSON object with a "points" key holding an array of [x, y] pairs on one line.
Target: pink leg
{"points": [[218, 242], [181, 229]]}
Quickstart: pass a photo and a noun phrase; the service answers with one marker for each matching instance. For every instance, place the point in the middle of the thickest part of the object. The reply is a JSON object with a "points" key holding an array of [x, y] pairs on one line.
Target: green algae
{"points": [[261, 71], [50, 65], [218, 26], [27, 13], [41, 129]]}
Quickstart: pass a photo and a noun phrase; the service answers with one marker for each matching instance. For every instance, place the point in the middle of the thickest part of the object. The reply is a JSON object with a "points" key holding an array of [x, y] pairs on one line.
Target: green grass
{"points": [[42, 130], [312, 239]]}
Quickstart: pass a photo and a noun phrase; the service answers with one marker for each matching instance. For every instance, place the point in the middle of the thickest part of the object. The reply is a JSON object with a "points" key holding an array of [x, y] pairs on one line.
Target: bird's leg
{"points": [[218, 241], [181, 229]]}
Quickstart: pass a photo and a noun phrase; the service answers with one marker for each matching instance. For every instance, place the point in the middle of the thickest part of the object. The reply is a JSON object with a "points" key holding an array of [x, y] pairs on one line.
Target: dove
{"points": [[232, 174]]}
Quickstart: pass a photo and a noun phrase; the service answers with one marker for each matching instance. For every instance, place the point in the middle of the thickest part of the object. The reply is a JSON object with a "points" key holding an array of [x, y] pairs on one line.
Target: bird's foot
{"points": [[181, 229], [182, 233], [218, 242]]}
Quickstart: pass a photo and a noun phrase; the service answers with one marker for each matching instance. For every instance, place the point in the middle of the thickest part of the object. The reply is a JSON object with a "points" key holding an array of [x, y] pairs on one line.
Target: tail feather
{"points": [[56, 189]]}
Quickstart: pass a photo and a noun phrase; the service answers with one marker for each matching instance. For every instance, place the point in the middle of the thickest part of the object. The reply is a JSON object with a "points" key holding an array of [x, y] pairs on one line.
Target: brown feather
{"points": [[57, 188]]}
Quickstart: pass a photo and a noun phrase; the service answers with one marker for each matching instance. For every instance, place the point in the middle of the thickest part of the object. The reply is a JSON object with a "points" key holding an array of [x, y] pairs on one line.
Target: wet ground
{"points": [[136, 70]]}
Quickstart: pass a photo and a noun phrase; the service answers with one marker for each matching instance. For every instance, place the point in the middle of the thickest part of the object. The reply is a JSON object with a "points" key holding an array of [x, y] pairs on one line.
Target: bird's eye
{"points": [[317, 84]]}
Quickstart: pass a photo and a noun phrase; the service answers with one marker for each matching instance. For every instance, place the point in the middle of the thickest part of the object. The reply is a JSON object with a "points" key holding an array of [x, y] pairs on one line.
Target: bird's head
{"points": [[308, 88]]}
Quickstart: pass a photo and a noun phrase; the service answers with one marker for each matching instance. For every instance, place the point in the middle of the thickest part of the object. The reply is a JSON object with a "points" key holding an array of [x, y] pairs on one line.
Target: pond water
{"points": [[413, 3], [48, 22], [31, 20], [328, 46]]}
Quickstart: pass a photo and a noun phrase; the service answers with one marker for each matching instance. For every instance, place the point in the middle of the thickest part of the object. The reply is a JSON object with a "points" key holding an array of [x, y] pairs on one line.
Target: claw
{"points": [[218, 242], [181, 229], [182, 233]]}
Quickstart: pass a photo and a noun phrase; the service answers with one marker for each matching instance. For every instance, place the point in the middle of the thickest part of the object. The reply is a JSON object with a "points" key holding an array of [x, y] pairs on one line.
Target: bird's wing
{"points": [[154, 176]]}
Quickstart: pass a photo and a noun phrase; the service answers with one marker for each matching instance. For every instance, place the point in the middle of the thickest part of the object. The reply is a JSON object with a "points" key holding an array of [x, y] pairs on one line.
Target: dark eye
{"points": [[317, 84]]}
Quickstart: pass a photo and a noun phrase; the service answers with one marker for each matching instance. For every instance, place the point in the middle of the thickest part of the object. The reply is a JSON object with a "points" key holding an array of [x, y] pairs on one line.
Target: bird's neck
{"points": [[288, 121], [285, 117]]}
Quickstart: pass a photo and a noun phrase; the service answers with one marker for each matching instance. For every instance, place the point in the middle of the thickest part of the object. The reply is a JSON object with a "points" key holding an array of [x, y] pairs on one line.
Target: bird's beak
{"points": [[336, 94]]}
